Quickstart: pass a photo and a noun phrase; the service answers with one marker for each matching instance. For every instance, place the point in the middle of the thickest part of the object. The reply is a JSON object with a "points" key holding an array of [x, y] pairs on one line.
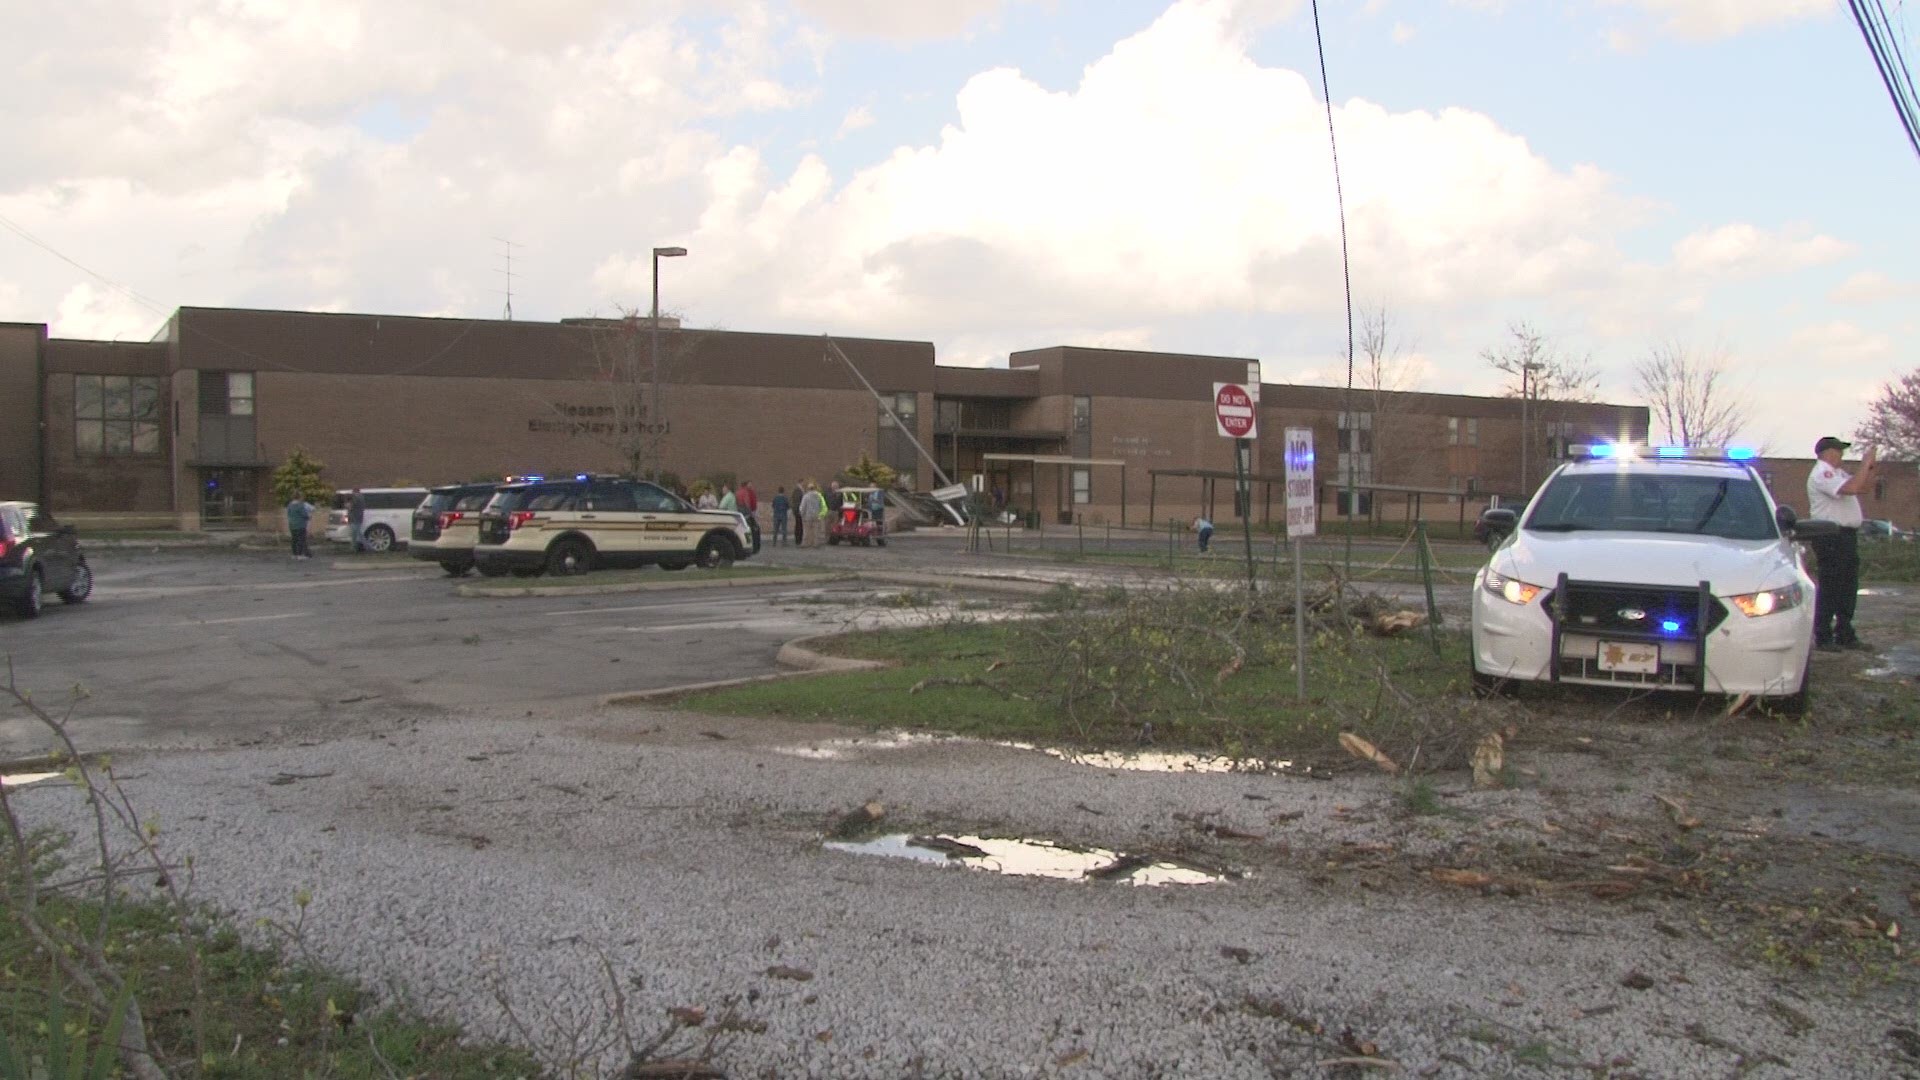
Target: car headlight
{"points": [[1766, 602], [1512, 590]]}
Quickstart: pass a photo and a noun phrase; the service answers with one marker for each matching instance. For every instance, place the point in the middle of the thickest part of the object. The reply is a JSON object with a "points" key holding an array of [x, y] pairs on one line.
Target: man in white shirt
{"points": [[1833, 495]]}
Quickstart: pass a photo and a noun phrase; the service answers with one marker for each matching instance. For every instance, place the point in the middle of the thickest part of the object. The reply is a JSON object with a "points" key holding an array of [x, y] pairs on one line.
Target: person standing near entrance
{"points": [[812, 517], [357, 520], [1833, 495], [780, 508], [1204, 529], [299, 514]]}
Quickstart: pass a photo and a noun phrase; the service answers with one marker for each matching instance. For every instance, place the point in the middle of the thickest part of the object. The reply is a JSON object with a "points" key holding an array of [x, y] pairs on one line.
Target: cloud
{"points": [[857, 118], [898, 20], [1402, 33], [1745, 249], [1839, 343], [1724, 18], [1873, 287]]}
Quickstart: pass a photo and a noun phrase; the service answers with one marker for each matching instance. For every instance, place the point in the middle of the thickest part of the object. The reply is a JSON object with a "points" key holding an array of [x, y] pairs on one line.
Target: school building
{"points": [[186, 428]]}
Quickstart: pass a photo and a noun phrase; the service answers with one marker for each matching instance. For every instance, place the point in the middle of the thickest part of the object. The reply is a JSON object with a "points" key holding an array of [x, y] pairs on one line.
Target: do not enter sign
{"points": [[1233, 411]]}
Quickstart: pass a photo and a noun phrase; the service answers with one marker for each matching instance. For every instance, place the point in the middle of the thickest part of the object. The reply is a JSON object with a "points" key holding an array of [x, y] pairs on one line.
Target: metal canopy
{"points": [[1050, 459]]}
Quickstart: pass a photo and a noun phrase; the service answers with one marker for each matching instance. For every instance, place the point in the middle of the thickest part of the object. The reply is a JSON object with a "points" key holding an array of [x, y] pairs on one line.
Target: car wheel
{"points": [[527, 571], [714, 554], [1794, 704], [29, 603], [491, 571], [81, 586], [1486, 686], [457, 567], [378, 538], [675, 565], [880, 541], [832, 541], [569, 557]]}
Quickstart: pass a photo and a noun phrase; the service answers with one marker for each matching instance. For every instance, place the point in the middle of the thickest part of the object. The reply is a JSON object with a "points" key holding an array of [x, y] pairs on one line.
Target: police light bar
{"points": [[1625, 450]]}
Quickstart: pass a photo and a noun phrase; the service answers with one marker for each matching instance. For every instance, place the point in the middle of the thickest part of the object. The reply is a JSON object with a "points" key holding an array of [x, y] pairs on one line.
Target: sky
{"points": [[1726, 177]]}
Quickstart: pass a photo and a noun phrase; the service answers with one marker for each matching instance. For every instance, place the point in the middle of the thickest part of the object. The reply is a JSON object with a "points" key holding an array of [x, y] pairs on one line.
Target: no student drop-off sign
{"points": [[1233, 411]]}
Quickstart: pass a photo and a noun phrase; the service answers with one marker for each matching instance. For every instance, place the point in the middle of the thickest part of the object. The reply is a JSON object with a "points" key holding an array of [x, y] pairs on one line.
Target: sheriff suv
{"points": [[587, 522], [1649, 568], [446, 525]]}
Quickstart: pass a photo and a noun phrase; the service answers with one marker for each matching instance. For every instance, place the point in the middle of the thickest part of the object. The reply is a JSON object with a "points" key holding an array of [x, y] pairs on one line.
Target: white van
{"points": [[389, 519]]}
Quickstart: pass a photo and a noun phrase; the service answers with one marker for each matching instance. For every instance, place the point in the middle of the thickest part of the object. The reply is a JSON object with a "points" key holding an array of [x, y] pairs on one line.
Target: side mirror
{"points": [[1813, 529], [1498, 524], [1784, 517]]}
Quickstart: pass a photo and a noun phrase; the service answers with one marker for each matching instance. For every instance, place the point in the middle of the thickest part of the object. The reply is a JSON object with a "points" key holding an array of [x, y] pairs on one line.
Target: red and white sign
{"points": [[1233, 410]]}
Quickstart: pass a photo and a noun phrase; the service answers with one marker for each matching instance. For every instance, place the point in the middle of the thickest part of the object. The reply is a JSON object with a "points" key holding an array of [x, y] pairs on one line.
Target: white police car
{"points": [[1649, 568]]}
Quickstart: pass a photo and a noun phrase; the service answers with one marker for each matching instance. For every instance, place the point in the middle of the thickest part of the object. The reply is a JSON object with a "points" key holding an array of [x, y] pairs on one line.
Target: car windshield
{"points": [[1732, 506]]}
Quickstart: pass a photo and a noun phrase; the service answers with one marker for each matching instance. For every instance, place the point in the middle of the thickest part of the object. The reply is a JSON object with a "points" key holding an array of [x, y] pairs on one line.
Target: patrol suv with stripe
{"points": [[1649, 568], [583, 523]]}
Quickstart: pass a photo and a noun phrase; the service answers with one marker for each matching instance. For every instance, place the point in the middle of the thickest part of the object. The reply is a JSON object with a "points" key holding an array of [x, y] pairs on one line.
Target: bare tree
{"points": [[1893, 420], [1387, 372], [1690, 395], [1540, 373], [623, 415]]}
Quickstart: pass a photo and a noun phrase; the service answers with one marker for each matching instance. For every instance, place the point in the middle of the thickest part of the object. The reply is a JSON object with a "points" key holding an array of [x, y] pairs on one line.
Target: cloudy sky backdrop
{"points": [[994, 175]]}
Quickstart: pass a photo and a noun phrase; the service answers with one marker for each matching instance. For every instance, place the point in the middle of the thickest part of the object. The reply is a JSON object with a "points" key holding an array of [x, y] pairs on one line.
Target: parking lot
{"points": [[208, 647]]}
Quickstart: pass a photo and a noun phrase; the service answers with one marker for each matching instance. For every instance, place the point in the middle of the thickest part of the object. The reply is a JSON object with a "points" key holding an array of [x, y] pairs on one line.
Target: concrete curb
{"points": [[475, 592], [794, 655], [959, 581]]}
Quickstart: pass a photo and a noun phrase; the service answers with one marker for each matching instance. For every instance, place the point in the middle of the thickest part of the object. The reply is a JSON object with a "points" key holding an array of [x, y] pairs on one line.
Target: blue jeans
{"points": [[1206, 537]]}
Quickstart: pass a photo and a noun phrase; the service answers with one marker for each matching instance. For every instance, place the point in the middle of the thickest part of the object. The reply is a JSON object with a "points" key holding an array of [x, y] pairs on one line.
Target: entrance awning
{"points": [[1065, 461]]}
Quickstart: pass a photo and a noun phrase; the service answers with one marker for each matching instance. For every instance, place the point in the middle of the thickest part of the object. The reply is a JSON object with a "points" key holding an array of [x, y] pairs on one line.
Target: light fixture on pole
{"points": [[658, 414]]}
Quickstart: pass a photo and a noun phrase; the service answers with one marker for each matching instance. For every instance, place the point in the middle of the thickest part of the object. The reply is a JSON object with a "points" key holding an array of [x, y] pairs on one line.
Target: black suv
{"points": [[447, 523], [38, 556]]}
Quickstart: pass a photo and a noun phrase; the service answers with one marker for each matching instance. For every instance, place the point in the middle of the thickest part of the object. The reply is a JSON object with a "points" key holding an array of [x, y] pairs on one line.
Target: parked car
{"points": [[39, 556], [447, 523], [389, 519], [1882, 529], [1649, 573], [578, 524]]}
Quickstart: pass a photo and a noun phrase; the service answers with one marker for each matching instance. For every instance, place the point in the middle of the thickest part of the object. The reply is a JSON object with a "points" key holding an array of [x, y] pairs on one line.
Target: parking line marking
{"points": [[242, 618]]}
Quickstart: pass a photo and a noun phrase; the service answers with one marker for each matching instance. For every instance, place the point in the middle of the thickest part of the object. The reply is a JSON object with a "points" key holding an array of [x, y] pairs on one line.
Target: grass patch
{"points": [[987, 680], [647, 575], [265, 1016], [1889, 561]]}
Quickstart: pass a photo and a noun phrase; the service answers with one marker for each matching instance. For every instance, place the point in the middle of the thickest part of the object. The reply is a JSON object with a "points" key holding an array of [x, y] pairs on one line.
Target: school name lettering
{"points": [[574, 420]]}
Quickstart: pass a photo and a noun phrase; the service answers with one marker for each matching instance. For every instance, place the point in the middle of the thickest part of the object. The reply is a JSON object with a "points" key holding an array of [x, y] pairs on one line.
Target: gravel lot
{"points": [[456, 861]]}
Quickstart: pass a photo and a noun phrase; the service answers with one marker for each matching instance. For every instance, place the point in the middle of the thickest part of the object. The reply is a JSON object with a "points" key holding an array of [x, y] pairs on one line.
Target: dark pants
{"points": [[1833, 601], [300, 542], [1206, 537], [799, 529], [779, 529]]}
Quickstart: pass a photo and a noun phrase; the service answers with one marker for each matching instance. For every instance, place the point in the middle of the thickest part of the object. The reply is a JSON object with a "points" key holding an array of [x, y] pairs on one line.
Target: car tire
{"points": [[30, 601], [81, 586], [527, 571], [569, 556], [378, 538], [833, 541], [675, 565], [1792, 705], [456, 567], [1486, 686], [880, 541], [713, 554], [491, 571]]}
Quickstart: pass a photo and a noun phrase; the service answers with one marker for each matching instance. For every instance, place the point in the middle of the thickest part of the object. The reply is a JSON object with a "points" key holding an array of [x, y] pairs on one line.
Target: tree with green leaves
{"points": [[300, 476], [872, 473]]}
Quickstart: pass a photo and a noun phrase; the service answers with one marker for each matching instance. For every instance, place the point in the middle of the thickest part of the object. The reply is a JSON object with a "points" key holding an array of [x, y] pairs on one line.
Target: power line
{"points": [[1885, 47], [22, 233], [1346, 273]]}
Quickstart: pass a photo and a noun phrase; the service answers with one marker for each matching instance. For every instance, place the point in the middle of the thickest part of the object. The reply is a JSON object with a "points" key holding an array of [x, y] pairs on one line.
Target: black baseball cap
{"points": [[1828, 442]]}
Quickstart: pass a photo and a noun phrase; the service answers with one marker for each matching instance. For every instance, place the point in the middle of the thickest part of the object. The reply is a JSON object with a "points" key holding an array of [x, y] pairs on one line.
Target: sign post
{"points": [[1303, 520], [1234, 413]]}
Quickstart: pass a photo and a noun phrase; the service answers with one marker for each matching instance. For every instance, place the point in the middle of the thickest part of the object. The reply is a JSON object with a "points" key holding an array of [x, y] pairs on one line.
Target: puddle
{"points": [[1137, 761], [22, 779], [1030, 858], [1899, 662]]}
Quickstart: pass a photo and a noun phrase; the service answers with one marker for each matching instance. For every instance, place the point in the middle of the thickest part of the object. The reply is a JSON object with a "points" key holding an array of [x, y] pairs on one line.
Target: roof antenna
{"points": [[506, 253]]}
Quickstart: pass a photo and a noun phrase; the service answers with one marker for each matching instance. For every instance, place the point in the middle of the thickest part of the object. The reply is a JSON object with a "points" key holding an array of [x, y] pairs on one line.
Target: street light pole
{"points": [[658, 414], [1526, 435]]}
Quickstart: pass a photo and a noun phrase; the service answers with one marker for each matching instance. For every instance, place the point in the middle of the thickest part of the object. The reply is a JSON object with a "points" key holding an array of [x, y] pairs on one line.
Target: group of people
{"points": [[811, 511], [742, 500]]}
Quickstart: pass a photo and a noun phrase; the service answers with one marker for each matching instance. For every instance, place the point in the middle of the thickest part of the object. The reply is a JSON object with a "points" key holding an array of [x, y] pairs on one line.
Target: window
{"points": [[1082, 413], [116, 414], [1356, 433], [906, 406], [649, 499], [1463, 431], [1560, 438], [226, 393], [1082, 486]]}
